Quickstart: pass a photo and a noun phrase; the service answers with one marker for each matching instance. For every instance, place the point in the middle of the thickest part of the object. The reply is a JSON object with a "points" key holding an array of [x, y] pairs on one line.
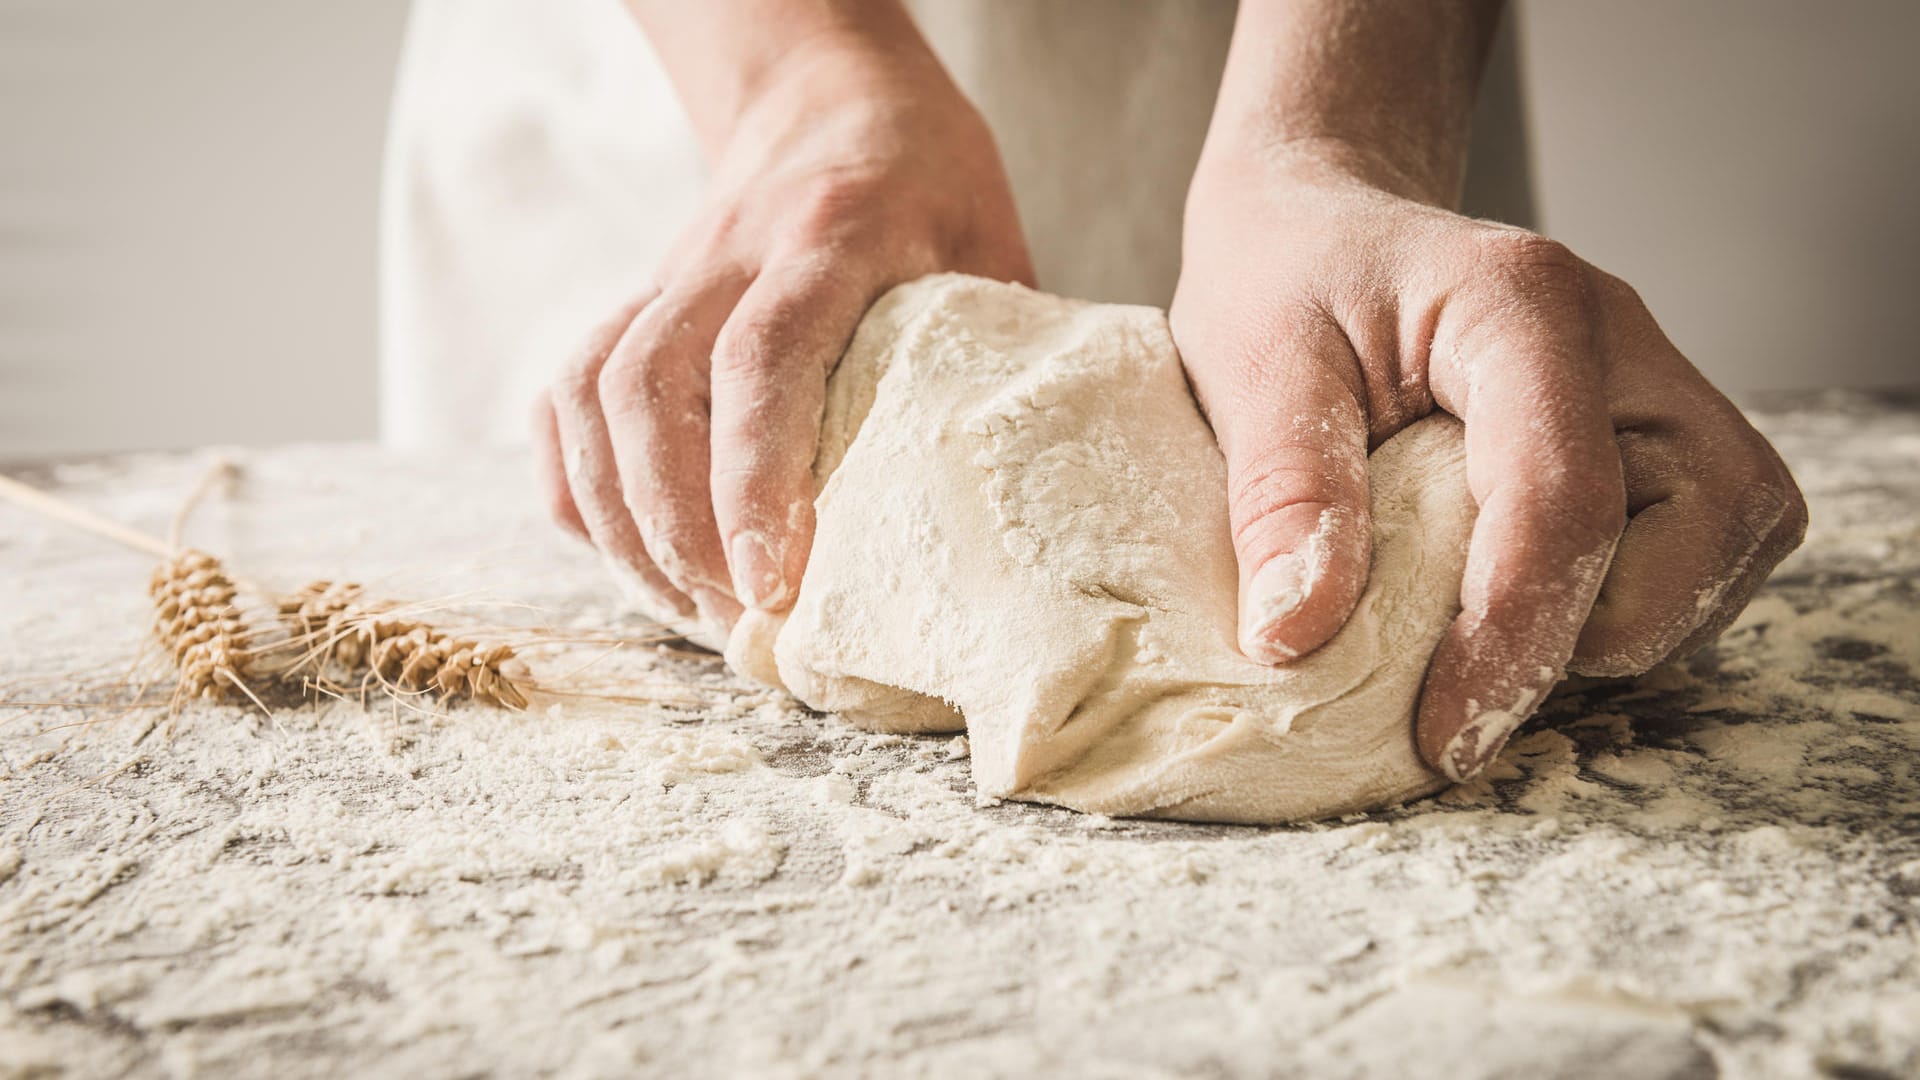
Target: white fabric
{"points": [[539, 166]]}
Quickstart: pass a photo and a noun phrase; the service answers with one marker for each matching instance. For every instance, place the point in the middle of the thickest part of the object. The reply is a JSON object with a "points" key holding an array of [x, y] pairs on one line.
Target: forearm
{"points": [[1381, 87], [722, 56]]}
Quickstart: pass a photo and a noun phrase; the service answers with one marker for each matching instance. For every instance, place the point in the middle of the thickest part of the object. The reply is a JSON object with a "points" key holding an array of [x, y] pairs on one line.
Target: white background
{"points": [[187, 200]]}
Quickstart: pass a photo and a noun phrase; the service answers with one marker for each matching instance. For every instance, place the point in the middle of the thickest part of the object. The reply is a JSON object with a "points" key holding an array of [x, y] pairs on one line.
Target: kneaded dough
{"points": [[1022, 531]]}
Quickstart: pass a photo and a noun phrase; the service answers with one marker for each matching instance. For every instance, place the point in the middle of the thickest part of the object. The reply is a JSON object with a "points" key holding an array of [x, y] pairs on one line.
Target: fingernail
{"points": [[1276, 591], [1475, 745], [757, 577]]}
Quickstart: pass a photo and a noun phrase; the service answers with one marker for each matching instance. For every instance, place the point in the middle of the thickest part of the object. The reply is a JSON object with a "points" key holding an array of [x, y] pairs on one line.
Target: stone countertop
{"points": [[1715, 868]]}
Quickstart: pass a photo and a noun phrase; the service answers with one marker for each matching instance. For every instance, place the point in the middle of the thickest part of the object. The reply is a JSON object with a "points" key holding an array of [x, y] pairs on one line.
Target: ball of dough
{"points": [[1022, 531]]}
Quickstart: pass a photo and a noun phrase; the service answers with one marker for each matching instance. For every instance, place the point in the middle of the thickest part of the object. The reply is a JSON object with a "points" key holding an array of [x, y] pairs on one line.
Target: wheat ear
{"points": [[195, 617], [376, 640], [196, 620]]}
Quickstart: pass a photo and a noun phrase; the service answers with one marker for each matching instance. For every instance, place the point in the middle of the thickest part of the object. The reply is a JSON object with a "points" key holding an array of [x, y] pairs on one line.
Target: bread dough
{"points": [[1022, 531]]}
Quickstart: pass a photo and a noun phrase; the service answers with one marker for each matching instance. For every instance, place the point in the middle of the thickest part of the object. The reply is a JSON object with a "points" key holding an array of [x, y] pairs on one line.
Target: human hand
{"points": [[680, 441], [1628, 511]]}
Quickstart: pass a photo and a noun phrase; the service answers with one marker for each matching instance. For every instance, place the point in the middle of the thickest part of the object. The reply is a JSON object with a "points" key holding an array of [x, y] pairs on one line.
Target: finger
{"points": [[654, 389], [1712, 508], [770, 368], [1520, 369], [553, 475], [593, 479], [1787, 535], [1295, 441], [1706, 529]]}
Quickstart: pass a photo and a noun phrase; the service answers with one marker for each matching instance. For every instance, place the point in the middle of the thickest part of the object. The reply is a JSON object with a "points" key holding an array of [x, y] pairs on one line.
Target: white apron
{"points": [[538, 167]]}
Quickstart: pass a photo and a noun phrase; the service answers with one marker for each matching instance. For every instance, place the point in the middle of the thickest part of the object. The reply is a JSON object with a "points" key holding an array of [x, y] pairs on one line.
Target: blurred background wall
{"points": [[187, 200], [187, 197]]}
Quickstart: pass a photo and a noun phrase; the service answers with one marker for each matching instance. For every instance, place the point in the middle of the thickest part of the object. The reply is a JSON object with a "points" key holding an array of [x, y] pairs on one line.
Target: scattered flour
{"points": [[635, 891]]}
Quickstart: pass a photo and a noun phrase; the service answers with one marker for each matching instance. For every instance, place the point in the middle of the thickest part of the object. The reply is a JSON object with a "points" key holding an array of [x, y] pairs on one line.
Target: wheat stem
{"points": [[222, 472], [61, 510]]}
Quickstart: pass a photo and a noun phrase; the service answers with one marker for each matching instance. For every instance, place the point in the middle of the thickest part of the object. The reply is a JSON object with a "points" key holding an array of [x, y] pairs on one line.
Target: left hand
{"points": [[1627, 509], [680, 440]]}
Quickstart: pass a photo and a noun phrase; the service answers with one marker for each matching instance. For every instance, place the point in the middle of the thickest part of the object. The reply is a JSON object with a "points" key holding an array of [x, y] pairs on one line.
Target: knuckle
{"points": [[1616, 292], [1259, 494], [859, 221], [787, 332], [682, 546], [542, 420], [1754, 492], [615, 387], [629, 383], [1530, 265], [663, 528], [574, 388], [1519, 248], [1587, 502], [561, 509], [1793, 525], [1610, 648], [833, 206], [617, 374], [1291, 487], [741, 384], [707, 241], [750, 473], [748, 495], [733, 481], [580, 374], [662, 517], [1305, 465], [723, 220], [1262, 522], [746, 344], [1772, 510]]}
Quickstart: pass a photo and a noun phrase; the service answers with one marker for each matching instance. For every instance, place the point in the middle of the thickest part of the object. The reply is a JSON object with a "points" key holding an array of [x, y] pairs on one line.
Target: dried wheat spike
{"points": [[333, 616], [368, 636], [418, 657], [196, 620]]}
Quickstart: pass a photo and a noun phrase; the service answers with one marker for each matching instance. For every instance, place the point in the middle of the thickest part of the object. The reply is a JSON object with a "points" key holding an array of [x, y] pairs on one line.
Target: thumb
{"points": [[1295, 440]]}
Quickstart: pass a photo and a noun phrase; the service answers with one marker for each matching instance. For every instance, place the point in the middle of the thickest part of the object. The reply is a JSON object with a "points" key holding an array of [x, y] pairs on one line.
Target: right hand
{"points": [[680, 441]]}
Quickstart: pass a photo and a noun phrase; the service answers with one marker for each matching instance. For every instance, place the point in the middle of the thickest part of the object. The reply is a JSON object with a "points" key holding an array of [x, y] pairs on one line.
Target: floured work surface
{"points": [[1715, 867]]}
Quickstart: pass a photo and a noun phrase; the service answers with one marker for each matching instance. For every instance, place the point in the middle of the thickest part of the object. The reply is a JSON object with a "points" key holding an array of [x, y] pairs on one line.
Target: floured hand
{"points": [[680, 439], [1627, 509]]}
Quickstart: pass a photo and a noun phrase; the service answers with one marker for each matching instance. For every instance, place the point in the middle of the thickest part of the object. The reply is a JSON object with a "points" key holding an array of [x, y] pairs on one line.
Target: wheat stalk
{"points": [[40, 502], [376, 640], [325, 627]]}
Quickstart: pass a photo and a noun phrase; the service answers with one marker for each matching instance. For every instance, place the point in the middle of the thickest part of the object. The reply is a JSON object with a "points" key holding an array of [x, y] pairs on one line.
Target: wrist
{"points": [[1371, 90], [1270, 161], [1425, 168], [783, 55]]}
